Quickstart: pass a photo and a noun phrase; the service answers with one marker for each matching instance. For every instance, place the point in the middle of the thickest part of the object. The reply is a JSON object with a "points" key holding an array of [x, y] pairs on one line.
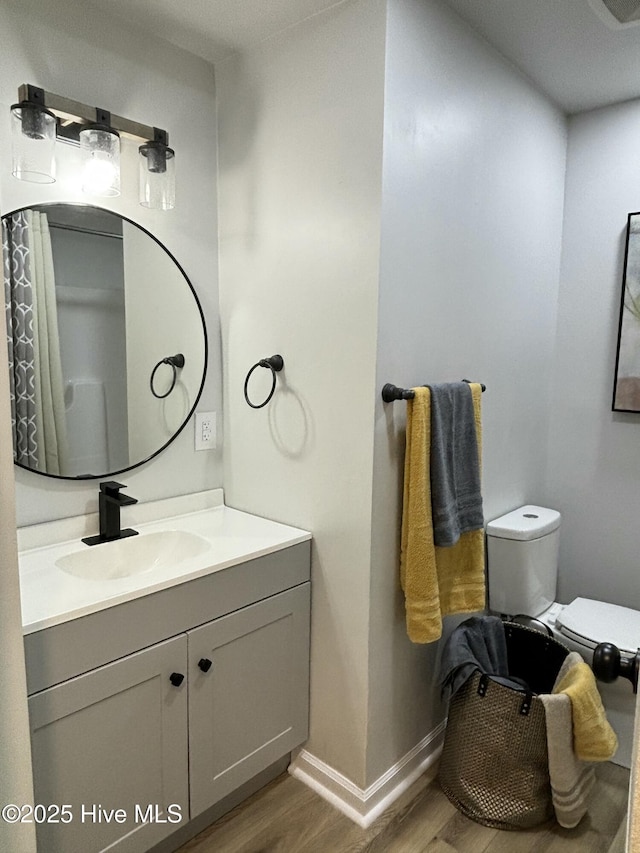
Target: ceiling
{"points": [[212, 29], [565, 47]]}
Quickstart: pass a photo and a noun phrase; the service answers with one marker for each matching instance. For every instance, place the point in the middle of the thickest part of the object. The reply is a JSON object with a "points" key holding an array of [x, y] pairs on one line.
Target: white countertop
{"points": [[51, 596]]}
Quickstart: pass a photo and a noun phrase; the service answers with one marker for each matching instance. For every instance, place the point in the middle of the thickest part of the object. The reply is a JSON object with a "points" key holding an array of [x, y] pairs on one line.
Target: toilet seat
{"points": [[589, 623]]}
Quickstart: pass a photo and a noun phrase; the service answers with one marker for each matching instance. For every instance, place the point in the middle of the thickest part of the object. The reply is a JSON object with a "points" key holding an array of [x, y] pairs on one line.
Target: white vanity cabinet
{"points": [[248, 693], [115, 726], [107, 744]]}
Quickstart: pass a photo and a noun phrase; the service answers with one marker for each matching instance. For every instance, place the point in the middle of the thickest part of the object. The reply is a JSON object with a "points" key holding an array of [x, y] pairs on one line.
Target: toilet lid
{"points": [[591, 622], [525, 523]]}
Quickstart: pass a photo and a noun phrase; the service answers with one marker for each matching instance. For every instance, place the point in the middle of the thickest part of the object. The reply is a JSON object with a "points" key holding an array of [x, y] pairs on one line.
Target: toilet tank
{"points": [[522, 560]]}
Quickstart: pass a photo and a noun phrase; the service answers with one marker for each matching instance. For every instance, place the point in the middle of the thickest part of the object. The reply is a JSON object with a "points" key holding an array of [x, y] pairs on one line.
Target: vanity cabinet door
{"points": [[248, 693], [114, 738]]}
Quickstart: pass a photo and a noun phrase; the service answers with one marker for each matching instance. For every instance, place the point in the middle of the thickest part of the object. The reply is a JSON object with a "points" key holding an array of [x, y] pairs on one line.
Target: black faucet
{"points": [[109, 502]]}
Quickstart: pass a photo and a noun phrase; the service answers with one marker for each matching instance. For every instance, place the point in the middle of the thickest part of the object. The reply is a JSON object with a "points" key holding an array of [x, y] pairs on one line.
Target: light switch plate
{"points": [[205, 430]]}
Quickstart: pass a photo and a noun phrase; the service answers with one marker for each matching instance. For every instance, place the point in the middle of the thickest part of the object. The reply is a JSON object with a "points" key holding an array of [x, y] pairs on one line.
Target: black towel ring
{"points": [[275, 363], [176, 361]]}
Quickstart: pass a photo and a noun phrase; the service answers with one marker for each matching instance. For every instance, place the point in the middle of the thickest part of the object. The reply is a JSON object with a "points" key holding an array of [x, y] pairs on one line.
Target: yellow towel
{"points": [[593, 737], [436, 581]]}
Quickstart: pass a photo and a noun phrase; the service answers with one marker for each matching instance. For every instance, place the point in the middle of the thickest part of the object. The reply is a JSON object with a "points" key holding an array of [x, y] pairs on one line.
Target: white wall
{"points": [[88, 56], [300, 148], [593, 458], [474, 162]]}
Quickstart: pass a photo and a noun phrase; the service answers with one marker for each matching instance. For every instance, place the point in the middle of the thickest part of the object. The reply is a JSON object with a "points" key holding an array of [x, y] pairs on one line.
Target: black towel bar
{"points": [[391, 392]]}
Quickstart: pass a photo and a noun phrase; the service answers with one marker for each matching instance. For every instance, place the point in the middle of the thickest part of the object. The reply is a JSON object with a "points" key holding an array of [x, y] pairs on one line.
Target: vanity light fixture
{"points": [[40, 118], [157, 173], [33, 138], [100, 147]]}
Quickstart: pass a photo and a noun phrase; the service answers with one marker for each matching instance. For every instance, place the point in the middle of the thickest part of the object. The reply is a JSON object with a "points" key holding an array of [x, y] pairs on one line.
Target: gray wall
{"points": [[593, 455], [457, 221], [473, 177]]}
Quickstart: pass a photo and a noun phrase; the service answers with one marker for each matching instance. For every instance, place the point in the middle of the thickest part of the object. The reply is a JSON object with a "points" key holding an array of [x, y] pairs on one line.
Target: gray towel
{"points": [[456, 500], [477, 643]]}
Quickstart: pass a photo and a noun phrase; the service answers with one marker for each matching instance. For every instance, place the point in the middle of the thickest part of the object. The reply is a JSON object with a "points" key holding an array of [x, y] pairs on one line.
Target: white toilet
{"points": [[522, 559]]}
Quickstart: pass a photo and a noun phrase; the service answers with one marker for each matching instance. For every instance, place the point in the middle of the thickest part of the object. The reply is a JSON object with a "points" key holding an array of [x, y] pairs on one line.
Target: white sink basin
{"points": [[123, 558]]}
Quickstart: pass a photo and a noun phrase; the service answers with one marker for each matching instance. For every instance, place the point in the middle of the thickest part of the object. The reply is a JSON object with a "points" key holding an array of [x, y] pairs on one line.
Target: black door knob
{"points": [[205, 664], [176, 678]]}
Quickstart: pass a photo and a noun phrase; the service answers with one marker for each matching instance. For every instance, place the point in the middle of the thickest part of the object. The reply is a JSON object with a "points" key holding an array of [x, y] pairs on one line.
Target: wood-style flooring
{"points": [[287, 817]]}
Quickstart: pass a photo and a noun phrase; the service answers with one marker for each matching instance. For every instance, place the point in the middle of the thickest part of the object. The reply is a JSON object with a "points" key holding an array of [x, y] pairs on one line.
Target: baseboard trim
{"points": [[363, 806]]}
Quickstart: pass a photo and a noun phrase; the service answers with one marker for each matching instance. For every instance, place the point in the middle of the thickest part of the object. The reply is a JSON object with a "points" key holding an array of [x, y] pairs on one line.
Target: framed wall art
{"points": [[626, 389]]}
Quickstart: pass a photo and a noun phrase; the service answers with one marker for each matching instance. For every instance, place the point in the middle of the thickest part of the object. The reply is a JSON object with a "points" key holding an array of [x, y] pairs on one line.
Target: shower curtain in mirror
{"points": [[35, 371]]}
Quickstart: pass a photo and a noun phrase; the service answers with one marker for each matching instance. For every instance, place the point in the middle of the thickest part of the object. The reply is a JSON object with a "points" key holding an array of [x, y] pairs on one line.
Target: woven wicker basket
{"points": [[494, 766]]}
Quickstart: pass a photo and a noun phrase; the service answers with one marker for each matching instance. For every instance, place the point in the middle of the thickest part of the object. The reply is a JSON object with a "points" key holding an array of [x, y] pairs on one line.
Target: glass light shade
{"points": [[33, 138], [157, 176], [100, 151]]}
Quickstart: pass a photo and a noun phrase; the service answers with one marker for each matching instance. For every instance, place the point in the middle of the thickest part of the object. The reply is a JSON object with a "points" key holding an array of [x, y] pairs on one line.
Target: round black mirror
{"points": [[94, 304]]}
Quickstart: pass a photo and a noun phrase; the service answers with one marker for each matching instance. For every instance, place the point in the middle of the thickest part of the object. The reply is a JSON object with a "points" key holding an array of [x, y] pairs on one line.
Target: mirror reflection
{"points": [[94, 305]]}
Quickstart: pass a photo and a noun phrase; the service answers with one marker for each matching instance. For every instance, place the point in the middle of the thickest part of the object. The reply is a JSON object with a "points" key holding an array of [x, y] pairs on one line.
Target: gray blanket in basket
{"points": [[477, 643]]}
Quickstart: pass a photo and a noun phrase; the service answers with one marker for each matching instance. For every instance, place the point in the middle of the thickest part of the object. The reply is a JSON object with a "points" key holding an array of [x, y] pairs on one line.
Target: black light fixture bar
{"points": [[72, 112], [41, 118]]}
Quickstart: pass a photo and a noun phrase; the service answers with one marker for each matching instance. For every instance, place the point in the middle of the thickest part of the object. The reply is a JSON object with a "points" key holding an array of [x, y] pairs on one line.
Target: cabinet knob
{"points": [[176, 678], [205, 664]]}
